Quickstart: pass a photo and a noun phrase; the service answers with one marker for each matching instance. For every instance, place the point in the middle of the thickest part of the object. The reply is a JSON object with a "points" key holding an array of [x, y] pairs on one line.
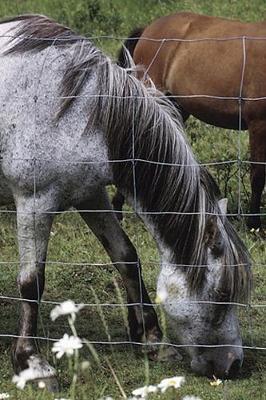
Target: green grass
{"points": [[72, 242]]}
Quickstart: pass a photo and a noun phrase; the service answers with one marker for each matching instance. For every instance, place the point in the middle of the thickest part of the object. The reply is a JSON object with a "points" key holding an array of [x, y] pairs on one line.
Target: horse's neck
{"points": [[165, 252]]}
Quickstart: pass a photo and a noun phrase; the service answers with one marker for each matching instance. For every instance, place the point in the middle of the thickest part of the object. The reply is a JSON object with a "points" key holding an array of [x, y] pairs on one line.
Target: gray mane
{"points": [[37, 32], [145, 131]]}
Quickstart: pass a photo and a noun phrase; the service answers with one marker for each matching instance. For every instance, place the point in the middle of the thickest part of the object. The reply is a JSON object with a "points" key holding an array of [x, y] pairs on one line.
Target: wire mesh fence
{"points": [[151, 261]]}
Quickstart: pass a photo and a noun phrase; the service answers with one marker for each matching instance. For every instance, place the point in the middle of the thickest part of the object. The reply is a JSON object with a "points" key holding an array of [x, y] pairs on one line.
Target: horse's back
{"points": [[36, 148], [189, 25], [188, 54]]}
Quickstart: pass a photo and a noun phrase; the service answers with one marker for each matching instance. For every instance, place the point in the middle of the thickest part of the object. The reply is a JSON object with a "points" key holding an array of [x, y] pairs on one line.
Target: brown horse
{"points": [[216, 70]]}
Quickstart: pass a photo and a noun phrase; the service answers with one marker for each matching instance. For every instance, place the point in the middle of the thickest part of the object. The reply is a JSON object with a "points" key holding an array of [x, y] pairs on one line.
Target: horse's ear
{"points": [[211, 230], [223, 205]]}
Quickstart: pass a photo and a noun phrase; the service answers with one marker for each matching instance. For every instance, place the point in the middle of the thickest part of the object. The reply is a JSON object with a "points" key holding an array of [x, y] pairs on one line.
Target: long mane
{"points": [[152, 161]]}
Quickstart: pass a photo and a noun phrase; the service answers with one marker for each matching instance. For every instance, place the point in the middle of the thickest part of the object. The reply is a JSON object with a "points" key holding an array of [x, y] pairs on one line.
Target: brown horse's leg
{"points": [[185, 115], [257, 132], [33, 231], [142, 318], [118, 201]]}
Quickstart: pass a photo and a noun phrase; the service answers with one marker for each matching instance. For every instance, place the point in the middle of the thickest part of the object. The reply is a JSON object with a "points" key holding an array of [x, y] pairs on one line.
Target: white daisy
{"points": [[68, 307], [106, 398], [67, 345], [61, 399], [175, 382], [85, 365], [161, 295], [191, 398], [144, 391], [4, 396], [41, 385], [216, 382]]}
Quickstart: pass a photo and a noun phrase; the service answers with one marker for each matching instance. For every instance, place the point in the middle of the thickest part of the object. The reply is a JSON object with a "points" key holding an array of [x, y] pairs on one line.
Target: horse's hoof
{"points": [[40, 373]]}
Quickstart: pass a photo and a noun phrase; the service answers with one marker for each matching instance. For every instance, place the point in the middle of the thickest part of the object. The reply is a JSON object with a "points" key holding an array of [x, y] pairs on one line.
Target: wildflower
{"points": [[144, 391], [175, 382], [66, 308], [191, 398], [41, 385], [216, 382], [106, 398], [161, 296], [4, 396], [85, 365], [67, 345]]}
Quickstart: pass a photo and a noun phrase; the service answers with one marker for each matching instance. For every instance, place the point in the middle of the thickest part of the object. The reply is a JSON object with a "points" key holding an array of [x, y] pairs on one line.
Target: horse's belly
{"points": [[81, 185], [214, 113]]}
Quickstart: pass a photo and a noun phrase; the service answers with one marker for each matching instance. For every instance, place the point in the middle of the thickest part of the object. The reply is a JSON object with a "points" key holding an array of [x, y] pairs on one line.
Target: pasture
{"points": [[70, 273]]}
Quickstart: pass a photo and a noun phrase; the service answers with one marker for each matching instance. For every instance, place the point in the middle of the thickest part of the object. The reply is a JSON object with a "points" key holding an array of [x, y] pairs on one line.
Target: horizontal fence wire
{"points": [[141, 344], [118, 305], [128, 212], [117, 263]]}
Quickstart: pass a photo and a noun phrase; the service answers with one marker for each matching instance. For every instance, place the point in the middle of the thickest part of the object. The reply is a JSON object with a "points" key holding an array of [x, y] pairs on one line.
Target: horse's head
{"points": [[205, 319]]}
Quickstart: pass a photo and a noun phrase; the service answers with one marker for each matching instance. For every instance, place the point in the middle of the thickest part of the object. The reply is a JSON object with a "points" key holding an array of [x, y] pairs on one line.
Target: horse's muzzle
{"points": [[221, 363]]}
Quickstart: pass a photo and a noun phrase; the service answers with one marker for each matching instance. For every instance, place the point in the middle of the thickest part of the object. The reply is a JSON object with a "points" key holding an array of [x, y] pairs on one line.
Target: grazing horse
{"points": [[73, 122], [215, 69]]}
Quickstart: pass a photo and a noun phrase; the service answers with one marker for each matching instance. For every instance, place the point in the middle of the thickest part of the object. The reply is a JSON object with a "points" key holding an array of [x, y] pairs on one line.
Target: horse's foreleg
{"points": [[33, 229], [257, 132], [143, 322], [118, 202]]}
